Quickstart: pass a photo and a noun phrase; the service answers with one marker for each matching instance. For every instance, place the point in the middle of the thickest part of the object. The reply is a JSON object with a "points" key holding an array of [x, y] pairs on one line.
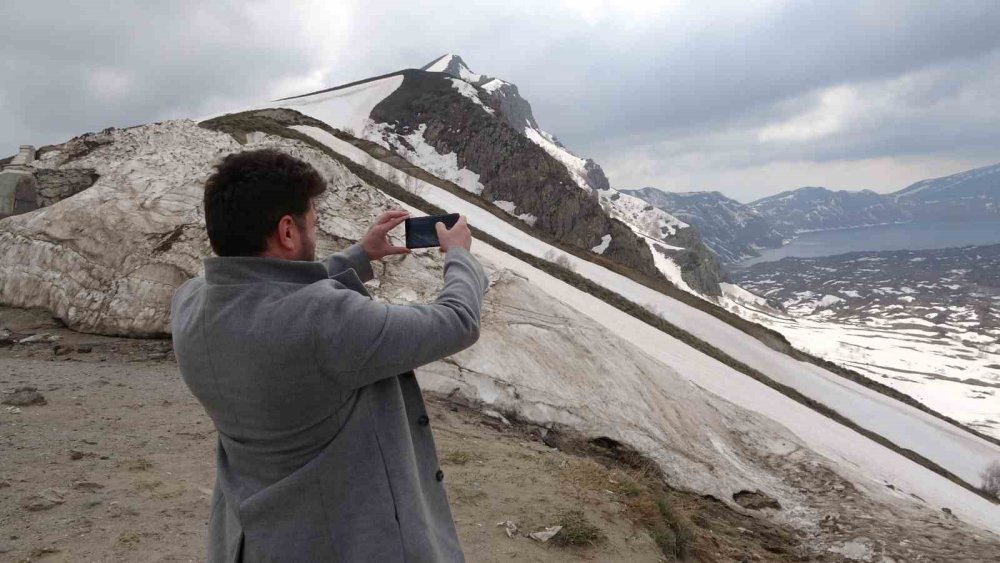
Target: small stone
{"points": [[87, 486], [61, 350], [546, 534], [23, 397], [44, 500], [946, 510], [77, 455], [510, 528], [84, 349], [36, 338]]}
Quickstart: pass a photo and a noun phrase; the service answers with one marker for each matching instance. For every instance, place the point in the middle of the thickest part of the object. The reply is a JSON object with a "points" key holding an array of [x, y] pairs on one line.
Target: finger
{"points": [[390, 215], [389, 225], [397, 250]]}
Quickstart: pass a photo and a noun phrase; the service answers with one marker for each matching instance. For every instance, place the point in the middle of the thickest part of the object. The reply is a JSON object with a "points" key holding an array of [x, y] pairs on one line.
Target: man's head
{"points": [[260, 203]]}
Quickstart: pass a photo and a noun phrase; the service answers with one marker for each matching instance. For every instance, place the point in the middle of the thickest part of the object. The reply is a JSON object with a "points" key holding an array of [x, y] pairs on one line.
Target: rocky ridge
{"points": [[731, 230]]}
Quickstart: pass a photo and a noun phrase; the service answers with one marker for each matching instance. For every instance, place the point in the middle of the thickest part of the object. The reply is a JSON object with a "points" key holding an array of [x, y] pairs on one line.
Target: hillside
{"points": [[973, 195], [731, 230], [720, 406], [921, 321], [478, 133], [815, 209]]}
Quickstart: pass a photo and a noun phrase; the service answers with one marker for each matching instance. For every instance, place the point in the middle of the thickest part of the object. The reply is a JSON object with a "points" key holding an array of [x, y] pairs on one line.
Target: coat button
{"points": [[423, 420], [439, 475]]}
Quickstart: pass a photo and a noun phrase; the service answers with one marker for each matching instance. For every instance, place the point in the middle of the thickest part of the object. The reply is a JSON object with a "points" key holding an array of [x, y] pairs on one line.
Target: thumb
{"points": [[440, 228]]}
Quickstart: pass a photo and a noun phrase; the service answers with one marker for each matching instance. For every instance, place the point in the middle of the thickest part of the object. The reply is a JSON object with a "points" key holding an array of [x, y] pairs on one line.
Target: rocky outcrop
{"points": [[510, 167], [731, 230], [55, 185]]}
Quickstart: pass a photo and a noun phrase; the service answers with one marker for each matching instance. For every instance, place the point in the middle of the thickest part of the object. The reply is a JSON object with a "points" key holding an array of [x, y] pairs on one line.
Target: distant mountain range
{"points": [[735, 231]]}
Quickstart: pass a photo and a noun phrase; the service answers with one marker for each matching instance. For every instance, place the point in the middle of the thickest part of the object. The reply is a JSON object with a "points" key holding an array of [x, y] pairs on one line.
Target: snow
{"points": [[828, 300], [510, 208], [347, 108], [443, 166], [952, 448], [600, 248], [574, 164], [956, 450], [469, 91], [441, 65]]}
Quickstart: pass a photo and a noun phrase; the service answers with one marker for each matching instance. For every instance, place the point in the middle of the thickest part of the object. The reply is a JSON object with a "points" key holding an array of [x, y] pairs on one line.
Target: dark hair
{"points": [[250, 192]]}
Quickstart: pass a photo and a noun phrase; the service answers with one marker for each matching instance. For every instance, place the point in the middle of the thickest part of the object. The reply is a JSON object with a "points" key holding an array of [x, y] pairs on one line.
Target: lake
{"points": [[909, 236]]}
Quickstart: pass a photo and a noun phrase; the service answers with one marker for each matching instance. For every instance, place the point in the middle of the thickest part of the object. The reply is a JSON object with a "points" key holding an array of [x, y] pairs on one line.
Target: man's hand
{"points": [[458, 235], [375, 244]]}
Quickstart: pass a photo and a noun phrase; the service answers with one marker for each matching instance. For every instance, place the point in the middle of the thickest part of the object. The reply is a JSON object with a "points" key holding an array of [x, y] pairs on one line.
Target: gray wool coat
{"points": [[325, 451]]}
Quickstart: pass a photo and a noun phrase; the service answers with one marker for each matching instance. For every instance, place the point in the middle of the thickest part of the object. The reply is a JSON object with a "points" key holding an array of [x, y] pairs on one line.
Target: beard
{"points": [[307, 252]]}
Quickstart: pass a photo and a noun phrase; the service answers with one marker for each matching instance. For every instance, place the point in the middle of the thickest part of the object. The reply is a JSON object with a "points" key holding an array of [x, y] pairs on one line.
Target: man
{"points": [[325, 451]]}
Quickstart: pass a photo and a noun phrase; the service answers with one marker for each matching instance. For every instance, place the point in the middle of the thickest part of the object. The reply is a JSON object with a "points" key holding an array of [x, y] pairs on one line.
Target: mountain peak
{"points": [[453, 65]]}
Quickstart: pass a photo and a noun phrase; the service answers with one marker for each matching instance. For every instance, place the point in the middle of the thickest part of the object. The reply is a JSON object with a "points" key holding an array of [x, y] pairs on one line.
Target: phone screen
{"points": [[420, 231]]}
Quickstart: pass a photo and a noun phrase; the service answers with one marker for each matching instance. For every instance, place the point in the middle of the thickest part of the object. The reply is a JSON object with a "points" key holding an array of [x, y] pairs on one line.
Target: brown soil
{"points": [[118, 465]]}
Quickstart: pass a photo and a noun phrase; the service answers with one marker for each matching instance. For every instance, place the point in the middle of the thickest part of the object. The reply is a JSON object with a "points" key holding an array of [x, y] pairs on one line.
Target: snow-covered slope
{"points": [[730, 229], [582, 363], [432, 143], [944, 444]]}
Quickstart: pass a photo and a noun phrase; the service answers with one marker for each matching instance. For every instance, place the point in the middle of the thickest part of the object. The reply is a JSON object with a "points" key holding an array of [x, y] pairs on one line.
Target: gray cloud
{"points": [[669, 94]]}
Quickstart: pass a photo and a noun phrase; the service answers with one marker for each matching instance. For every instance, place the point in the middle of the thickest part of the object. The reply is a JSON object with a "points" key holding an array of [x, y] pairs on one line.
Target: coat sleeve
{"points": [[360, 341], [352, 257]]}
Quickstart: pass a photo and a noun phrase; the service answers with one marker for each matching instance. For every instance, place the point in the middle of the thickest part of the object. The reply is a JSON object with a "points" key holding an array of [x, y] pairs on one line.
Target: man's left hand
{"points": [[375, 243]]}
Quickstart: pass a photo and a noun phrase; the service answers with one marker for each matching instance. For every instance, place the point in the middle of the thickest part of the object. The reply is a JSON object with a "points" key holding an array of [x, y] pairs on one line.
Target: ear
{"points": [[287, 233]]}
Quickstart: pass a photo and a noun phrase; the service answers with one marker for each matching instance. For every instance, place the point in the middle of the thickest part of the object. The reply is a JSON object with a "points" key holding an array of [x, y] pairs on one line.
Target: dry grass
{"points": [[646, 503], [577, 531], [458, 457]]}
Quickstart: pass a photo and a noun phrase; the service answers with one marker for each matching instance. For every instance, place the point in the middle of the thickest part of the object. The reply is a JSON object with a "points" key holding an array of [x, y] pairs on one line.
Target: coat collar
{"points": [[224, 270], [227, 270]]}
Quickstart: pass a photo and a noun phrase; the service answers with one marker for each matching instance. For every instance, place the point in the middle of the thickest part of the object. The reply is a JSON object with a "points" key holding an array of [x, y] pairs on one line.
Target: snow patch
{"points": [[469, 91], [605, 242]]}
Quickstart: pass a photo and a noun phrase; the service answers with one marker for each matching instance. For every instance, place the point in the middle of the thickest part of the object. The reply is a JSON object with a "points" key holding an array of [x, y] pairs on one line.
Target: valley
{"points": [[925, 322]]}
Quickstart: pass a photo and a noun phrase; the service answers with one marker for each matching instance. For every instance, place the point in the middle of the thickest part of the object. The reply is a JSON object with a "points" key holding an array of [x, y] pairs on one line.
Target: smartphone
{"points": [[420, 231]]}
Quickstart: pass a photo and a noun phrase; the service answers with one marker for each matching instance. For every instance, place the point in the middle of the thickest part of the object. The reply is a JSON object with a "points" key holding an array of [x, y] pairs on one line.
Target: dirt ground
{"points": [[118, 465]]}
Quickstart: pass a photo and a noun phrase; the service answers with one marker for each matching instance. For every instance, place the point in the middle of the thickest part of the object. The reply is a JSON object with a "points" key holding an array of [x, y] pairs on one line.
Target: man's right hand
{"points": [[457, 236]]}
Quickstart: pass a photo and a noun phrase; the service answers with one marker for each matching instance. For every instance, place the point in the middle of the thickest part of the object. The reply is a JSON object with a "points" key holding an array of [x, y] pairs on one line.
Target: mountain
{"points": [[477, 132], [973, 195], [967, 196], [570, 338], [816, 209], [732, 230]]}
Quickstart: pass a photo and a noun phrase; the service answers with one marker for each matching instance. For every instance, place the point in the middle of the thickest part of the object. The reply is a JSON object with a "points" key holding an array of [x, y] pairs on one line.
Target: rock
{"points": [[60, 350], [23, 397], [84, 349], [947, 511], [42, 337], [496, 416], [755, 500], [510, 528], [108, 259], [55, 185], [87, 486], [546, 534], [13, 410], [44, 500]]}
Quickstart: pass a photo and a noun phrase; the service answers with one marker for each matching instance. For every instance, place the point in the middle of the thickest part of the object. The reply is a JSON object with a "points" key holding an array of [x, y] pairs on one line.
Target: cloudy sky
{"points": [[748, 98]]}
